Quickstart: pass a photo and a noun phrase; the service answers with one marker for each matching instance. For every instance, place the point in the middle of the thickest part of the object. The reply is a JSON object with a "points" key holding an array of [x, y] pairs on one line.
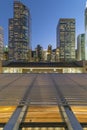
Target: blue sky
{"points": [[45, 15]]}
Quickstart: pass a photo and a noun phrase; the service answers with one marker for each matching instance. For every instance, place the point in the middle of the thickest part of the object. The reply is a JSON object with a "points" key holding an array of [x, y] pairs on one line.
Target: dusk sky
{"points": [[45, 15]]}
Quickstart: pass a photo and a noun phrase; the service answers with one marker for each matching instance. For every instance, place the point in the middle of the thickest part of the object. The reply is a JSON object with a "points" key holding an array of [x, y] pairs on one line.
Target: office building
{"points": [[1, 43], [19, 33], [5, 53], [66, 39], [39, 53], [45, 55], [43, 102], [49, 53], [44, 67], [81, 47], [86, 31], [57, 55]]}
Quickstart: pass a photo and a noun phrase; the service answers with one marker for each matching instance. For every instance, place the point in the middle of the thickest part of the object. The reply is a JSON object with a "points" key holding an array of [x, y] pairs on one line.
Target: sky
{"points": [[45, 15]]}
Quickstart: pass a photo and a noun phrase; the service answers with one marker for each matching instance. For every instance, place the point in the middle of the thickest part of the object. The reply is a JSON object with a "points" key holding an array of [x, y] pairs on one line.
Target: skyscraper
{"points": [[86, 32], [1, 43], [81, 47], [19, 33], [66, 39], [39, 53]]}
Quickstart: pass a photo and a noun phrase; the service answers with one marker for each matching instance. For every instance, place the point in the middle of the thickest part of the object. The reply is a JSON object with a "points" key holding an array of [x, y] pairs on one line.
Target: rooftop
{"points": [[44, 96], [42, 64]]}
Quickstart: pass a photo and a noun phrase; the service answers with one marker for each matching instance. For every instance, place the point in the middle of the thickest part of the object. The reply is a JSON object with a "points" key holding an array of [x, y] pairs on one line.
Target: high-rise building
{"points": [[66, 39], [49, 53], [19, 33], [5, 53], [1, 43], [86, 32], [57, 55], [39, 53], [81, 47]]}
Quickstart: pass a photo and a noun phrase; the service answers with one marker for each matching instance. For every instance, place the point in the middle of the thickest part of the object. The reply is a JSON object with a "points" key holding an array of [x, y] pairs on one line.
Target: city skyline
{"points": [[45, 15]]}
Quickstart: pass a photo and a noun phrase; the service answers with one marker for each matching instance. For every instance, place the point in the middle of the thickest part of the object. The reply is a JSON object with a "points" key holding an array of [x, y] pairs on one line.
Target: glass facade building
{"points": [[39, 53], [86, 32], [81, 47], [66, 39], [1, 43], [19, 33]]}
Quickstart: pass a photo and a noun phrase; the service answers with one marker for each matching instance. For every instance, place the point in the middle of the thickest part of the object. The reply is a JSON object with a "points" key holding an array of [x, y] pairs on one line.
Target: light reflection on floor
{"points": [[80, 113], [43, 128], [6, 112], [43, 114]]}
